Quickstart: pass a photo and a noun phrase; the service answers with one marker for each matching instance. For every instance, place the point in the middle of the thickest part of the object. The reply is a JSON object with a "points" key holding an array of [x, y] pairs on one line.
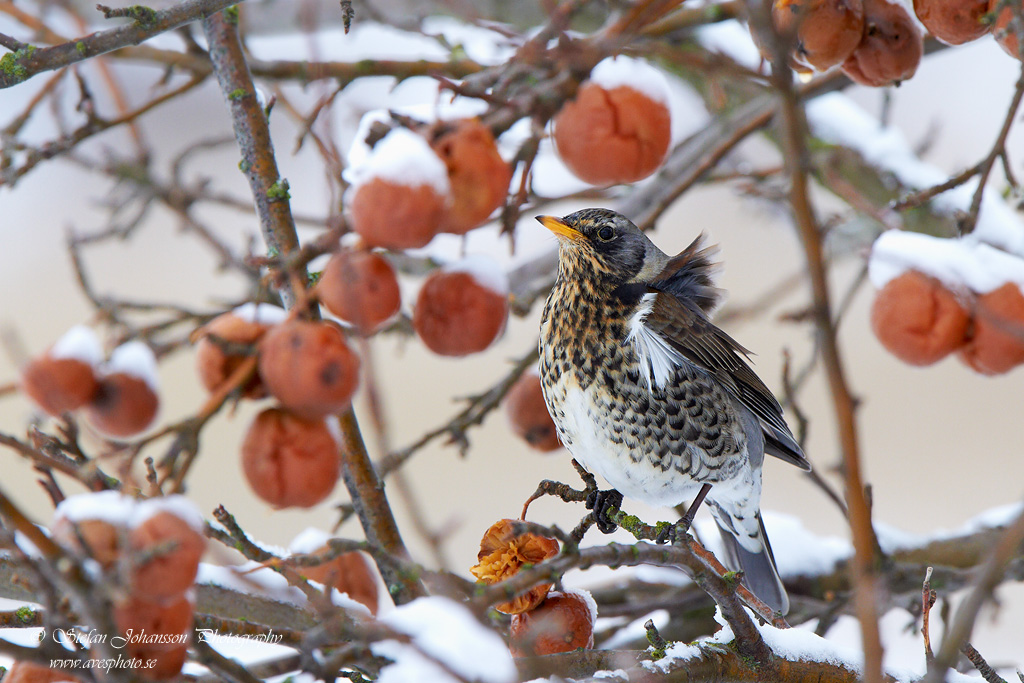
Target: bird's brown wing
{"points": [[688, 331]]}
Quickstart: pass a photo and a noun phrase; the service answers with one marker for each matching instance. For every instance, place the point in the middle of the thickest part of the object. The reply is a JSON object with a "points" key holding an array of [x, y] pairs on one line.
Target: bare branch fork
{"points": [[990, 575]]}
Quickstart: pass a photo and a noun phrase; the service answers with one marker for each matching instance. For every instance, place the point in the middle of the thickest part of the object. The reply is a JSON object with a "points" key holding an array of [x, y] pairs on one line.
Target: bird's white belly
{"points": [[589, 440]]}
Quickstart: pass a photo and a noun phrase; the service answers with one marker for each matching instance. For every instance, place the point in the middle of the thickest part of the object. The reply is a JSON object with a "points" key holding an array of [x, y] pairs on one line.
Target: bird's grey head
{"points": [[603, 244]]}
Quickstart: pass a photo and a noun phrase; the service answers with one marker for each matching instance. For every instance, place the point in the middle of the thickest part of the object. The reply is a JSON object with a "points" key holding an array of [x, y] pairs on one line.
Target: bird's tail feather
{"points": [[760, 575]]}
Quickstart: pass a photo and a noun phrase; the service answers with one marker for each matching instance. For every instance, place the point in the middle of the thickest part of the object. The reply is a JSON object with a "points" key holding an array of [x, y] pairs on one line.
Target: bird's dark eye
{"points": [[605, 234]]}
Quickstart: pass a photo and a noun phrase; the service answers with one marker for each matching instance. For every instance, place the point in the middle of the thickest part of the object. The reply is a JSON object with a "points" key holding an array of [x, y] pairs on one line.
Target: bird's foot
{"points": [[675, 532], [671, 533], [603, 502]]}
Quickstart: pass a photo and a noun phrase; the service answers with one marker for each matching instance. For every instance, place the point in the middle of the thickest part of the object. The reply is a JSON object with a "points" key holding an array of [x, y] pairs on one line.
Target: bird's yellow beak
{"points": [[560, 228]]}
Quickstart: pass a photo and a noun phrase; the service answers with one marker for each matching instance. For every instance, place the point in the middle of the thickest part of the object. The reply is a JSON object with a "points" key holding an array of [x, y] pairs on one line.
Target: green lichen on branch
{"points": [[278, 192], [637, 527], [732, 579], [748, 661], [11, 64], [25, 614], [244, 165], [145, 17], [231, 15], [658, 644], [237, 94], [80, 47]]}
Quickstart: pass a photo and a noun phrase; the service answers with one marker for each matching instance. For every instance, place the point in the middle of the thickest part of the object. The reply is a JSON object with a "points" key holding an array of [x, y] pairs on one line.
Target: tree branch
{"points": [[271, 195], [31, 60]]}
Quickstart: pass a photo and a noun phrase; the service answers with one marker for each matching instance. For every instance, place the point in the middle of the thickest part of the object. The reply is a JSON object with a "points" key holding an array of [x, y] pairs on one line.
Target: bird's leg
{"points": [[601, 502], [671, 533], [687, 519]]}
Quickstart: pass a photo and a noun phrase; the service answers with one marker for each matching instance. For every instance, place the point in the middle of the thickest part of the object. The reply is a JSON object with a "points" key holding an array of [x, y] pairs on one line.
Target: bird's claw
{"points": [[602, 502], [671, 534]]}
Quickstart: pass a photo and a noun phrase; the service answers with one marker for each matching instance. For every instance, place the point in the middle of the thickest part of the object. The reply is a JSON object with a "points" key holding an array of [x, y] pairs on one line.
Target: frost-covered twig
{"points": [[915, 199], [239, 540], [981, 170]]}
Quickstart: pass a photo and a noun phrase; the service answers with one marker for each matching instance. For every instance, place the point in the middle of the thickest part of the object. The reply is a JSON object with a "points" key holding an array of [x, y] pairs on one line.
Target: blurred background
{"points": [[939, 445]]}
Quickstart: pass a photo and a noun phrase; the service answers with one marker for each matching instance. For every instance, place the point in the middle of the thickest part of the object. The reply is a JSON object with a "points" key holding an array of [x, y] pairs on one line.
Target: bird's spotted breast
{"points": [[655, 442]]}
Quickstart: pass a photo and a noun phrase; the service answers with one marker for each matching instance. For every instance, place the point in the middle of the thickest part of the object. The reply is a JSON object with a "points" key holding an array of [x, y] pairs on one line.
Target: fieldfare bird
{"points": [[648, 393]]}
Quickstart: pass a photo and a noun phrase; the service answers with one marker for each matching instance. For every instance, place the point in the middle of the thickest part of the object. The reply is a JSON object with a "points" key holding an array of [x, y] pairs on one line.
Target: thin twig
{"points": [[928, 597], [990, 575], [983, 667], [998, 151], [473, 414]]}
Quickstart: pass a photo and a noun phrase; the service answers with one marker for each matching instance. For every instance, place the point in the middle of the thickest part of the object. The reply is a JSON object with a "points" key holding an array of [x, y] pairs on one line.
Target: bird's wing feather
{"points": [[689, 275], [689, 332]]}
